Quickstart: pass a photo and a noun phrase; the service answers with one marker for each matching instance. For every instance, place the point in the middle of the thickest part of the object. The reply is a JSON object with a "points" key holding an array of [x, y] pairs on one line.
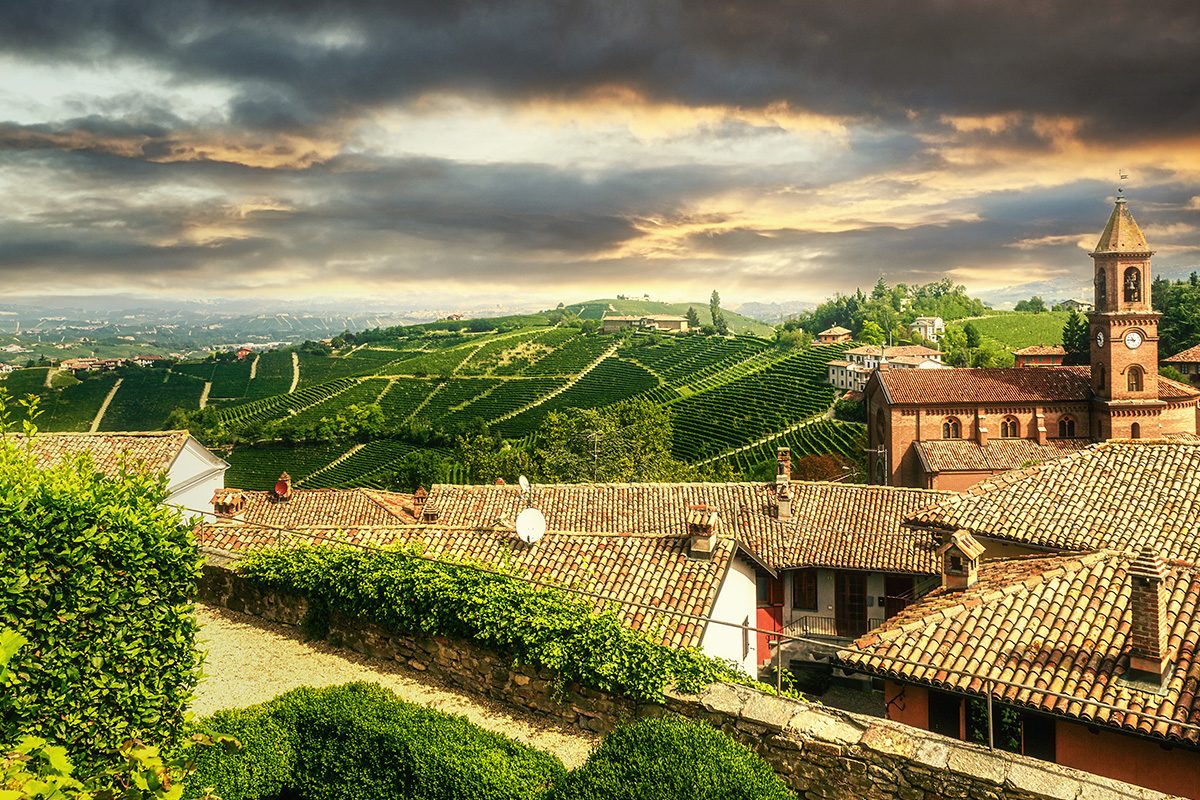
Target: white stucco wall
{"points": [[735, 603], [193, 478]]}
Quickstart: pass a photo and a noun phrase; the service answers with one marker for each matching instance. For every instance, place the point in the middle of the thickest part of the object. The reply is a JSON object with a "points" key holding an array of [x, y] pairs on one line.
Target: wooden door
{"points": [[897, 590], [770, 613], [850, 603]]}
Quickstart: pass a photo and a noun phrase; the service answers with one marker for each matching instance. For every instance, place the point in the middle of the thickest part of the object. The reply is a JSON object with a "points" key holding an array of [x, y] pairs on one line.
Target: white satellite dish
{"points": [[524, 484], [531, 526]]}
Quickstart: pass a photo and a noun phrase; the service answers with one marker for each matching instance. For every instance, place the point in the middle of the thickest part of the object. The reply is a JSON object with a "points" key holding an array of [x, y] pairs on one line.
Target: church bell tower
{"points": [[1124, 333]]}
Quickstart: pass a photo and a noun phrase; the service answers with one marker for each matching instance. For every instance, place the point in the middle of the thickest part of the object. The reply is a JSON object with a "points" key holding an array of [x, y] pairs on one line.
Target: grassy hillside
{"points": [[1016, 329], [595, 309], [726, 394]]}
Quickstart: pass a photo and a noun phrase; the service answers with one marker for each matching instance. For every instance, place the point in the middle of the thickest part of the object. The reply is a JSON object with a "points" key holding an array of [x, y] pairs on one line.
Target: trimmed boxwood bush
{"points": [[671, 759], [537, 625], [99, 576], [360, 742]]}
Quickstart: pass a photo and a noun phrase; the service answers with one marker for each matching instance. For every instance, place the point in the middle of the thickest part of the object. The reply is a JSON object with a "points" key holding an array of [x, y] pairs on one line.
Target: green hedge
{"points": [[671, 759], [99, 577], [359, 742], [542, 626]]}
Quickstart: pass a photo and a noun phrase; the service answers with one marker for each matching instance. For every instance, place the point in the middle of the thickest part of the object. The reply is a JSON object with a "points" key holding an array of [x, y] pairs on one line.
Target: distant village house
{"points": [[931, 329], [860, 363], [834, 335], [660, 323]]}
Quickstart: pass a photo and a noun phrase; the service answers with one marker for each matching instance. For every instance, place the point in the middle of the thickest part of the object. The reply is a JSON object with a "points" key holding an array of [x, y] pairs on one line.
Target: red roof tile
{"points": [[328, 508], [1189, 356], [154, 451], [965, 455], [1059, 624], [1010, 385]]}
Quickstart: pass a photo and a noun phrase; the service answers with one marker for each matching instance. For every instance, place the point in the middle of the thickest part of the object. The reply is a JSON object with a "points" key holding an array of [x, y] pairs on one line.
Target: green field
{"points": [[595, 309], [1021, 329], [430, 385]]}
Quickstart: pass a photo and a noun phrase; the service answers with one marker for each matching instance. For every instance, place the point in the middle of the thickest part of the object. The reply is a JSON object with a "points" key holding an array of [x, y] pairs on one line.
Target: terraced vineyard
{"points": [[724, 394], [821, 437]]}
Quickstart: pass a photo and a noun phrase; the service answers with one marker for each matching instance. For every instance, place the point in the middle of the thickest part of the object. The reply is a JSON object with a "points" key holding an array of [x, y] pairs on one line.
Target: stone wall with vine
{"points": [[820, 752]]}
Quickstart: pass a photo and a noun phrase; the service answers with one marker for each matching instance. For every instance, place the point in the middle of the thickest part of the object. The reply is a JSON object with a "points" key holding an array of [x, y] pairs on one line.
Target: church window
{"points": [[1135, 378], [1135, 431], [880, 427], [1010, 428], [1100, 376], [1133, 285], [1101, 289], [1066, 428], [951, 428]]}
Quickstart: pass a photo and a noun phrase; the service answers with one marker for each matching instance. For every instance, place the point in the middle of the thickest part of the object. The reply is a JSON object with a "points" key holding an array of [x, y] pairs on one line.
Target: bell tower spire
{"points": [[1124, 328]]}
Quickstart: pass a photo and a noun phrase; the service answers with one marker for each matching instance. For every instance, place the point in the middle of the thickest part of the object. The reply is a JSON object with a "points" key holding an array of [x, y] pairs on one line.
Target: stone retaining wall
{"points": [[820, 752]]}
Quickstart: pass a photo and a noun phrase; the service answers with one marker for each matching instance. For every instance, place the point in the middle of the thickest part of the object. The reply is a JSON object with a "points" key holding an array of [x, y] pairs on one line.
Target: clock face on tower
{"points": [[1099, 338], [1133, 340]]}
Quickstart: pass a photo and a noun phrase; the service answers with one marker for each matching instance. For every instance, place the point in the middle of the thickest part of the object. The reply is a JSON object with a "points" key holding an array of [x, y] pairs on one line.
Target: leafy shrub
{"points": [[100, 577], [537, 625], [671, 758], [359, 742]]}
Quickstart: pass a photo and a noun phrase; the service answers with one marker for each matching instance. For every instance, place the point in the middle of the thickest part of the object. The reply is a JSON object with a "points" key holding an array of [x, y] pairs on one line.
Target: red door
{"points": [[770, 613]]}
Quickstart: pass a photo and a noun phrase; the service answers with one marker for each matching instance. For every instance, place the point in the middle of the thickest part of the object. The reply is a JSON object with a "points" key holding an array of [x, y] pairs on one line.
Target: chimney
{"points": [[420, 496], [1149, 626], [783, 480], [702, 531], [283, 488], [981, 430], [229, 505], [783, 501], [429, 512], [960, 555], [1039, 422]]}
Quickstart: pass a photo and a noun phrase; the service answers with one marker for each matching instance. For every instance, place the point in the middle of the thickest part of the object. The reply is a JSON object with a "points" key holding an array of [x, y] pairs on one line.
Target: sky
{"points": [[454, 151]]}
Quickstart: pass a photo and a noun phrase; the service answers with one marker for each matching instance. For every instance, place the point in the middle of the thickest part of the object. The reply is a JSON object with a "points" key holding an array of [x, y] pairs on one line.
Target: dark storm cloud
{"points": [[1124, 69]]}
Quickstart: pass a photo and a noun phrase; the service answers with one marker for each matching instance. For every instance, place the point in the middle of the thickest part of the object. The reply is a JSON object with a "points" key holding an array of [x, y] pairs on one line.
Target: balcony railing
{"points": [[830, 627]]}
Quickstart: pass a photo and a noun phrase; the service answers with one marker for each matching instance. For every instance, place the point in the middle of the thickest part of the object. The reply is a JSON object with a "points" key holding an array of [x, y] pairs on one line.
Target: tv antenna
{"points": [[531, 526]]}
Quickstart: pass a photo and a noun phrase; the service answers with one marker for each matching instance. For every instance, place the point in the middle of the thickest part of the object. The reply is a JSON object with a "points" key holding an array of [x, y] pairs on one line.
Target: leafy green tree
{"points": [[1167, 371], [99, 575], [627, 441], [693, 318], [1075, 333], [1179, 303], [871, 333], [718, 318], [974, 339], [1035, 305], [486, 457]]}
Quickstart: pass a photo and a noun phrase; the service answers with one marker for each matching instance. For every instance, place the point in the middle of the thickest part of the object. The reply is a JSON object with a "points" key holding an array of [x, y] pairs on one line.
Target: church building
{"points": [[951, 428]]}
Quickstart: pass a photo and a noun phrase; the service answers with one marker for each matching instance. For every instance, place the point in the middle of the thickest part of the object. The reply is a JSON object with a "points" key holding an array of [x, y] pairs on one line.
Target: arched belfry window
{"points": [[1010, 428], [951, 428], [1133, 285], [1100, 376], [1135, 378], [1101, 289], [1066, 428]]}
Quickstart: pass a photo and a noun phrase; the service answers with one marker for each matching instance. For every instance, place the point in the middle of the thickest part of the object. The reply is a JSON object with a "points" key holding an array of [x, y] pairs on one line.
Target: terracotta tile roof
{"points": [[836, 330], [1008, 385], [966, 455], [155, 451], [1170, 390], [1059, 624], [833, 525], [653, 570], [1041, 350], [1122, 234], [324, 507], [1121, 494], [898, 350], [1189, 356]]}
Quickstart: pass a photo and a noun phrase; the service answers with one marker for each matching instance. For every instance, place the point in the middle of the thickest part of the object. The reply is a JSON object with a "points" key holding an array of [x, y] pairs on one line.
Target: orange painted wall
{"points": [[907, 704], [1129, 759]]}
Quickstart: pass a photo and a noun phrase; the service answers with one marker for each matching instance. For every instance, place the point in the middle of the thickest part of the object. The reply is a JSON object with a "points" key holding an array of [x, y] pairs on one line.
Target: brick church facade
{"points": [[950, 429]]}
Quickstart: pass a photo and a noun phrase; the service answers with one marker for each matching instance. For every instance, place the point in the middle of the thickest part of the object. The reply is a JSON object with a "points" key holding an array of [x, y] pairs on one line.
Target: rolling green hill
{"points": [[729, 397], [595, 309], [1016, 329]]}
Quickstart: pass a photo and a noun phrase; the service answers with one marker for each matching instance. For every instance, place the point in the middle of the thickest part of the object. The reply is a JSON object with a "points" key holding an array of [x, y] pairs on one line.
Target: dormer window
{"points": [[955, 565]]}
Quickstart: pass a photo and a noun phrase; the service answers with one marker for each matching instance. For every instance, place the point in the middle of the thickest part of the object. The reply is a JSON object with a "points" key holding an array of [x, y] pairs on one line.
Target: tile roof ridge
{"points": [[1071, 563], [103, 434]]}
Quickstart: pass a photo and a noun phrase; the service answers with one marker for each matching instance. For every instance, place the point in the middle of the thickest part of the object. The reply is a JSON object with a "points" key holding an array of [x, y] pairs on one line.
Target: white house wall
{"points": [[194, 476], [736, 602]]}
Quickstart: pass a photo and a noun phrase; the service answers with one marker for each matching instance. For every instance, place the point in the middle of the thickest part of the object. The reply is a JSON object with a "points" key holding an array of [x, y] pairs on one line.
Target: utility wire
{"points": [[707, 619]]}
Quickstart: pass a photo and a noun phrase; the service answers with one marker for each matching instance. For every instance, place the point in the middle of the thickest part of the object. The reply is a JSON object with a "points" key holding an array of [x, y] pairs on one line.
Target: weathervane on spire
{"points": [[1124, 176]]}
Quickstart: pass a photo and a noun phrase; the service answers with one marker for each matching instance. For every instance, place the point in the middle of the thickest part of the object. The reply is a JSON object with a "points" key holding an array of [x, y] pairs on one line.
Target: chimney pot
{"points": [[1149, 626], [229, 504], [702, 531], [283, 487], [960, 555]]}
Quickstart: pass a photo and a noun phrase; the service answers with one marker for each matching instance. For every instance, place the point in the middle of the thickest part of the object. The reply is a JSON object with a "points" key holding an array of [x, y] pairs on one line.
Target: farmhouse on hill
{"points": [[662, 323], [949, 429], [834, 335]]}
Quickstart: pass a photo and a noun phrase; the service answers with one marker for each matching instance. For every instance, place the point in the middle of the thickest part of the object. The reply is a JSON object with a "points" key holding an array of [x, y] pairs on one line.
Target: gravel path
{"points": [[250, 661]]}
